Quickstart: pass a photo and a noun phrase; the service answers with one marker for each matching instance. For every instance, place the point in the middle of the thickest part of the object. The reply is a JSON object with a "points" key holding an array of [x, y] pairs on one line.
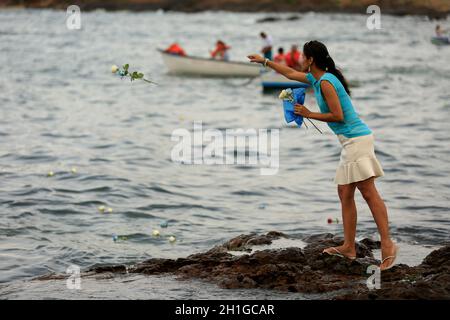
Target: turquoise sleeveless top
{"points": [[352, 126]]}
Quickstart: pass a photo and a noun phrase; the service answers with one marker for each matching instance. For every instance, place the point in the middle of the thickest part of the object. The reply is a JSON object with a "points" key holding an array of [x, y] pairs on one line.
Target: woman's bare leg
{"points": [[379, 213], [349, 217]]}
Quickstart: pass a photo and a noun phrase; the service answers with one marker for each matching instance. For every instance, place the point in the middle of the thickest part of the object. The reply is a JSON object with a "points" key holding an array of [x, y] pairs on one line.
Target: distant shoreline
{"points": [[436, 9]]}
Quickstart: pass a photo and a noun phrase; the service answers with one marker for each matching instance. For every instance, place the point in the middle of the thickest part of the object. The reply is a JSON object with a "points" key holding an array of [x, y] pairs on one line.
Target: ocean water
{"points": [[61, 108]]}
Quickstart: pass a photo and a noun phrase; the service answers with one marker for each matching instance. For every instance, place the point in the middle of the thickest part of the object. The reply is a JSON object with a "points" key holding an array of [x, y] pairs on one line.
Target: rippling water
{"points": [[61, 108]]}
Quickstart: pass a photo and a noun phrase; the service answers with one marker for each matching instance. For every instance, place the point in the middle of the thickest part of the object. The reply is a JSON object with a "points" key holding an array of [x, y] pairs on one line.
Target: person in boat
{"points": [[280, 56], [221, 51], [440, 33], [293, 58], [267, 45], [176, 49], [358, 166]]}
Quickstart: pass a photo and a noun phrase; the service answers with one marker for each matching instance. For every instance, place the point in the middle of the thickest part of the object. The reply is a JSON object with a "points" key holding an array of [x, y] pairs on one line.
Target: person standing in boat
{"points": [[358, 166], [267, 45], [441, 34], [439, 31], [221, 51]]}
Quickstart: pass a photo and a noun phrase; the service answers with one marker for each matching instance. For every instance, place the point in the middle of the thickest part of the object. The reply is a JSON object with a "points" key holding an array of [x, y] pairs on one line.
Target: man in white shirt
{"points": [[267, 45]]}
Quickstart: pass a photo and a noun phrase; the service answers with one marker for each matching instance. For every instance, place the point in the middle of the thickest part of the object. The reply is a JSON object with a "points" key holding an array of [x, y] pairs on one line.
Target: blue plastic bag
{"points": [[288, 106]]}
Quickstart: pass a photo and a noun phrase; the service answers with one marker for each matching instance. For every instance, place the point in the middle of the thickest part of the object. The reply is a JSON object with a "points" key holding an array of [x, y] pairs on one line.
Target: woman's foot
{"points": [[348, 252], [388, 255]]}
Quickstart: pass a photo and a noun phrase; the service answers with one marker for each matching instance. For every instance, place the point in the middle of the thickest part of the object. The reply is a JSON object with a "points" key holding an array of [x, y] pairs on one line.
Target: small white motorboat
{"points": [[197, 66], [272, 80]]}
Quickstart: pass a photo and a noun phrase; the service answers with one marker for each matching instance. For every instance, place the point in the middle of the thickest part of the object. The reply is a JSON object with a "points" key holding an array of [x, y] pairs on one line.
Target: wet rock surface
{"points": [[294, 269]]}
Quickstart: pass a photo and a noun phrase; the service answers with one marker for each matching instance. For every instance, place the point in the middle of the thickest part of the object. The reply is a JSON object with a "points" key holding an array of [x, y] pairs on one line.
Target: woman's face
{"points": [[305, 62]]}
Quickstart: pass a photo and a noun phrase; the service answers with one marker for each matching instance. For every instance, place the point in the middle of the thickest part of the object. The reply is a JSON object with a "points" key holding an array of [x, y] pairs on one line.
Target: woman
{"points": [[358, 165]]}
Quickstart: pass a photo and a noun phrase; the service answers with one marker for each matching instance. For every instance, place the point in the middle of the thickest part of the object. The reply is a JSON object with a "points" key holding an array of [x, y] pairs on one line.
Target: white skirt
{"points": [[358, 161]]}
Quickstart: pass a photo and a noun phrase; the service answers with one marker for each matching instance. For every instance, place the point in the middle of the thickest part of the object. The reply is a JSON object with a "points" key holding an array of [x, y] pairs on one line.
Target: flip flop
{"points": [[394, 257], [337, 253]]}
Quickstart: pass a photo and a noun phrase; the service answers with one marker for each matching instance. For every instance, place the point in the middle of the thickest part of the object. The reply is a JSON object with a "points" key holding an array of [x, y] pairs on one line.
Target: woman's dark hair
{"points": [[319, 52]]}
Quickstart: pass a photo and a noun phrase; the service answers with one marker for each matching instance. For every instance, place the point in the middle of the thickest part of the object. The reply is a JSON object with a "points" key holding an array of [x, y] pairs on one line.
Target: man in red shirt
{"points": [[293, 58]]}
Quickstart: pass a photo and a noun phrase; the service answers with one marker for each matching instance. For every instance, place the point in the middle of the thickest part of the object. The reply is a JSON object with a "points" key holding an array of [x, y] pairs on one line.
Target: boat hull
{"points": [[195, 66], [440, 41], [274, 81]]}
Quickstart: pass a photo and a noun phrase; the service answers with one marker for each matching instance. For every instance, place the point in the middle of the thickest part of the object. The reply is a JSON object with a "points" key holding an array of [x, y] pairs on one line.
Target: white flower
{"points": [[155, 233], [114, 69], [286, 95], [172, 239]]}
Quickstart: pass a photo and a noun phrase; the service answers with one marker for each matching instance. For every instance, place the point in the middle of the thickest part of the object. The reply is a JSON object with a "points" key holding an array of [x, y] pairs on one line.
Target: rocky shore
{"points": [[433, 8], [235, 264]]}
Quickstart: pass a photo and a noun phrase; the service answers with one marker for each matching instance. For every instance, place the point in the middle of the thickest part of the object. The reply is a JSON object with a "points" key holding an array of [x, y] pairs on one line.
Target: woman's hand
{"points": [[302, 110], [256, 58]]}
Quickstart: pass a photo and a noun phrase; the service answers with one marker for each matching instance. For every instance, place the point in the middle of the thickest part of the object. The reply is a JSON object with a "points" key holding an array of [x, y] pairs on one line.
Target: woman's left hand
{"points": [[302, 110]]}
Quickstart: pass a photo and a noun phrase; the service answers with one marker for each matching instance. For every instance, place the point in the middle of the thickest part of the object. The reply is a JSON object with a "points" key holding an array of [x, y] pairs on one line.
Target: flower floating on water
{"points": [[287, 94], [117, 238], [124, 72], [50, 174], [110, 210], [73, 170], [164, 224], [330, 220], [262, 206], [172, 239], [155, 233], [101, 208]]}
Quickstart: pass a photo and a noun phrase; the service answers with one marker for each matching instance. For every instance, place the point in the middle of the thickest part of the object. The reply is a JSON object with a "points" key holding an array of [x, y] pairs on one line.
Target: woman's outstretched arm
{"points": [[282, 69]]}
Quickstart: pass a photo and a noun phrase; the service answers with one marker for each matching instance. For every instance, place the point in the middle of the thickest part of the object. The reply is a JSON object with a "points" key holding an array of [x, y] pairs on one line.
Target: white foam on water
{"points": [[280, 243]]}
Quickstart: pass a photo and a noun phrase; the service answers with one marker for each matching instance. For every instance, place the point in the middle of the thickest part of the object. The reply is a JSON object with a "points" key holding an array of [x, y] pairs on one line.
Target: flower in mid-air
{"points": [[124, 72]]}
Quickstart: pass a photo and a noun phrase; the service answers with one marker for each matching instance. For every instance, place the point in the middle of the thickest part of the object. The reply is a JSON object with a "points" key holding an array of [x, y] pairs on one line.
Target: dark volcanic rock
{"points": [[268, 19], [277, 19], [305, 269]]}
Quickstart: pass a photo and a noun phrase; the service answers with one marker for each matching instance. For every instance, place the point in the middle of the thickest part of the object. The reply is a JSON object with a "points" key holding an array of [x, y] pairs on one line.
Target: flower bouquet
{"points": [[290, 98]]}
